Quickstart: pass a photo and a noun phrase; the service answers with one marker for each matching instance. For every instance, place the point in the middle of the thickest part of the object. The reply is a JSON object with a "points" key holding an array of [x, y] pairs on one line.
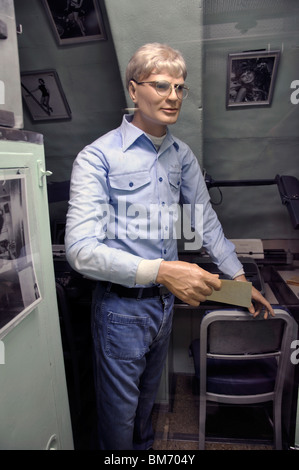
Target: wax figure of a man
{"points": [[120, 231]]}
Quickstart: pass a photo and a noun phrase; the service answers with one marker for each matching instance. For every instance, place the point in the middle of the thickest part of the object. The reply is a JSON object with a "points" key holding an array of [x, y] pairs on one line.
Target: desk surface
{"points": [[286, 275]]}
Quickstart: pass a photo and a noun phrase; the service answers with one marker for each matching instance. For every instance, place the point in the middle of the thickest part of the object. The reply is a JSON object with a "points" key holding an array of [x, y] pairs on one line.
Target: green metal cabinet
{"points": [[34, 408]]}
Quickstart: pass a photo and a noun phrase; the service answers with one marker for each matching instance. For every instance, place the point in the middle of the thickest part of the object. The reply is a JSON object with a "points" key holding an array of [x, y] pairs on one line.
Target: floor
{"points": [[177, 429], [228, 428]]}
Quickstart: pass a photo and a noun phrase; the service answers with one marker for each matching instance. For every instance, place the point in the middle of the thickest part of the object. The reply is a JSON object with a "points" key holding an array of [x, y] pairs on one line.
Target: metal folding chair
{"points": [[243, 360]]}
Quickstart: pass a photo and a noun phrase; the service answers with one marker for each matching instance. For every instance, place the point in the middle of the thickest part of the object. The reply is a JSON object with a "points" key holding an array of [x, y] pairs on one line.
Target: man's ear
{"points": [[132, 91]]}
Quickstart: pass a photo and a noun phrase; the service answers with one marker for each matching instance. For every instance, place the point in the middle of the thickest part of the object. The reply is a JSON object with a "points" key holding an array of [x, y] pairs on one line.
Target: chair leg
{"points": [[277, 424], [202, 423]]}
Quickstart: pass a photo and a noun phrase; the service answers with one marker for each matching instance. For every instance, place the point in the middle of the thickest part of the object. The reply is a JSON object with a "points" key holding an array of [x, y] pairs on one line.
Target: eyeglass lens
{"points": [[164, 89]]}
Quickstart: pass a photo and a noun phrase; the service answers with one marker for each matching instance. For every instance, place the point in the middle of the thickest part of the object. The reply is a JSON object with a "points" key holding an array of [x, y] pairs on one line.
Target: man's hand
{"points": [[261, 302], [187, 281]]}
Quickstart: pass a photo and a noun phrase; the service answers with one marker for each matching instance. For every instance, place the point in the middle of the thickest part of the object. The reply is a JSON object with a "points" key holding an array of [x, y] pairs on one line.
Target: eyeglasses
{"points": [[164, 88]]}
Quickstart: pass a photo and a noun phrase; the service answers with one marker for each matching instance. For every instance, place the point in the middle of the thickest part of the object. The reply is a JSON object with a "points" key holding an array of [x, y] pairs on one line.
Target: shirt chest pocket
{"points": [[130, 184], [174, 179]]}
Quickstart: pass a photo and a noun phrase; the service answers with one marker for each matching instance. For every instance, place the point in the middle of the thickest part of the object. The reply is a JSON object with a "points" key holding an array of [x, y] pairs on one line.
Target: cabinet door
{"points": [[34, 409]]}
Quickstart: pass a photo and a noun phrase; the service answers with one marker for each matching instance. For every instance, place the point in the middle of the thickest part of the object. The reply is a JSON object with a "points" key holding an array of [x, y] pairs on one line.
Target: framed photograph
{"points": [[19, 290], [251, 78], [43, 95], [75, 21]]}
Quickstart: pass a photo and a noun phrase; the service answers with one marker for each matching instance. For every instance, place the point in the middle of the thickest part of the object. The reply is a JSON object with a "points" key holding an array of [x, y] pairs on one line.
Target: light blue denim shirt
{"points": [[124, 200]]}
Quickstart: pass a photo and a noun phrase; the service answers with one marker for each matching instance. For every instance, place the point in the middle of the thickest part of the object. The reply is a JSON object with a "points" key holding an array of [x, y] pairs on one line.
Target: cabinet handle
{"points": [[42, 173]]}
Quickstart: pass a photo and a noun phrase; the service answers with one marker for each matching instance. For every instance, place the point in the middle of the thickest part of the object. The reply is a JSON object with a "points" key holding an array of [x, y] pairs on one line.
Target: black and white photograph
{"points": [[75, 21], [43, 95], [251, 78], [19, 291]]}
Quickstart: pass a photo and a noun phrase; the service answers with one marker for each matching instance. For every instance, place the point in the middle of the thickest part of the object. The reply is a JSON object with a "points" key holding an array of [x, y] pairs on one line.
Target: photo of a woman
{"points": [[45, 96], [251, 79]]}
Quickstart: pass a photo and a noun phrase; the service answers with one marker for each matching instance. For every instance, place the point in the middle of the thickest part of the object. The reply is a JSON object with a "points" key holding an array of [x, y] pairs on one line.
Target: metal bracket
{"points": [[42, 173]]}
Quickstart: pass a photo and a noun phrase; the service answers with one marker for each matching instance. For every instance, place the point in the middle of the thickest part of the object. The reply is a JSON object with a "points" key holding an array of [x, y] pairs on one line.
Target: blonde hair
{"points": [[158, 58]]}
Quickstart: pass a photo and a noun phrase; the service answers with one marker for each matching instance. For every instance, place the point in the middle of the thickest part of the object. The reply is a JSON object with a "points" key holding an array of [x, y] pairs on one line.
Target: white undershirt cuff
{"points": [[147, 271], [239, 273]]}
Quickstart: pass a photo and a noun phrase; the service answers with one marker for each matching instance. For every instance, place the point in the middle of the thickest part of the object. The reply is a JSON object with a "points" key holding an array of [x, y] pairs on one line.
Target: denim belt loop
{"points": [[139, 296]]}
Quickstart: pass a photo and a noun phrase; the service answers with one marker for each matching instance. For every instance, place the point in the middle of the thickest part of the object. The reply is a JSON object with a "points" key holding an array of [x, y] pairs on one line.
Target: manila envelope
{"points": [[233, 293]]}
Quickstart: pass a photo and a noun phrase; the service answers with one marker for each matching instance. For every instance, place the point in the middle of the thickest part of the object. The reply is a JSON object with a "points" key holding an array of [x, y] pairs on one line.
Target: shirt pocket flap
{"points": [[129, 181], [174, 178]]}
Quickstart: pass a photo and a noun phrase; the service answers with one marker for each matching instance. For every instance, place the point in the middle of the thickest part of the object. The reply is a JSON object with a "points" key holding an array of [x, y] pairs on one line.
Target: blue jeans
{"points": [[130, 339]]}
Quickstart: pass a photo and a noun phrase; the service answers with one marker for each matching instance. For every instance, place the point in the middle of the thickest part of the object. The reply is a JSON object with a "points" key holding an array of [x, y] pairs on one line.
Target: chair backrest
{"points": [[235, 333]]}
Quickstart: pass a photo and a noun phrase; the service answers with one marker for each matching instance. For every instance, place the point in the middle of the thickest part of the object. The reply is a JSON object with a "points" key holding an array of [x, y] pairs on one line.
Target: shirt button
{"points": [[131, 184], [165, 251], [160, 179]]}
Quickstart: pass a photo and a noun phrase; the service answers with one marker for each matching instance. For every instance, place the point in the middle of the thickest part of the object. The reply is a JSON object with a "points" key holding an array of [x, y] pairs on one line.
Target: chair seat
{"points": [[236, 377]]}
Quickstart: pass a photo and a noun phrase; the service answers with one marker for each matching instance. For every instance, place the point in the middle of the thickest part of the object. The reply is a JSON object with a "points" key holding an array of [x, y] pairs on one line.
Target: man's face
{"points": [[155, 112]]}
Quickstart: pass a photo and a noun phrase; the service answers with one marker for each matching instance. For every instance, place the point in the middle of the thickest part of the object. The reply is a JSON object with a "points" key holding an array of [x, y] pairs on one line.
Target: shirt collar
{"points": [[131, 133]]}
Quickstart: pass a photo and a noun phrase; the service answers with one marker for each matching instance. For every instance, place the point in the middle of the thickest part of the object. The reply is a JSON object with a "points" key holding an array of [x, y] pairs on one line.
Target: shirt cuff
{"points": [[147, 271], [239, 273]]}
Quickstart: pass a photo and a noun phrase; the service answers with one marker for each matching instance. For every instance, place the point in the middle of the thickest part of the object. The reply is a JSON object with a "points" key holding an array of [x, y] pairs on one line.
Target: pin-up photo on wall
{"points": [[43, 95], [251, 78]]}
